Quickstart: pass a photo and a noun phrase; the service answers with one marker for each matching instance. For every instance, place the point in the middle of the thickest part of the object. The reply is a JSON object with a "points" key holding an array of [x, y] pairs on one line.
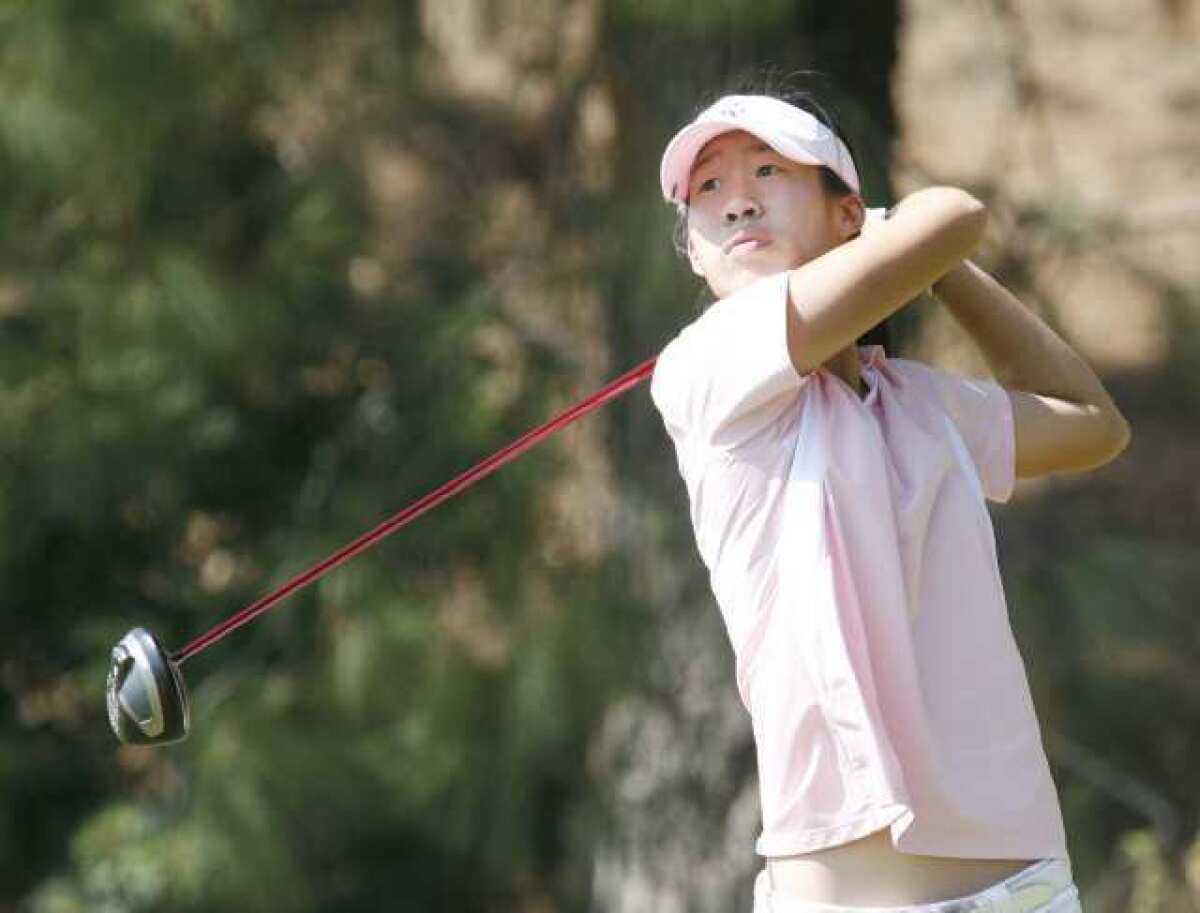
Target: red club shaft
{"points": [[605, 394]]}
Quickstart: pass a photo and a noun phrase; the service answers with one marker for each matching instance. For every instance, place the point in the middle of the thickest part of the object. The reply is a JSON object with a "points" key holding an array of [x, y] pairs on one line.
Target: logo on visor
{"points": [[731, 108]]}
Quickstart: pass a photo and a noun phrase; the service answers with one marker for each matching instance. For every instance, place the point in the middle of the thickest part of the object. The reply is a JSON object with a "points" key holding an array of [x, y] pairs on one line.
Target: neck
{"points": [[845, 365]]}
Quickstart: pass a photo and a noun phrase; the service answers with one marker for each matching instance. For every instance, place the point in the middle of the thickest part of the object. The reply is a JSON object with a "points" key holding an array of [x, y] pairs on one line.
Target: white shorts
{"points": [[1044, 887]]}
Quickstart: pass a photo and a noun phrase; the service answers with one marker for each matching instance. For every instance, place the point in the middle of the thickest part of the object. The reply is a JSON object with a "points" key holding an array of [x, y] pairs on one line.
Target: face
{"points": [[752, 212]]}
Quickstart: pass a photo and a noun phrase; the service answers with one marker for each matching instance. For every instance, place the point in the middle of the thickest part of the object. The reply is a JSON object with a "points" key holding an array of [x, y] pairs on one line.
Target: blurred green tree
{"points": [[269, 271]]}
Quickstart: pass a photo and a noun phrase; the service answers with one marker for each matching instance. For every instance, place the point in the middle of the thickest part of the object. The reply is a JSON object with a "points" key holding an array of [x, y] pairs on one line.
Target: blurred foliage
{"points": [[206, 386], [269, 271]]}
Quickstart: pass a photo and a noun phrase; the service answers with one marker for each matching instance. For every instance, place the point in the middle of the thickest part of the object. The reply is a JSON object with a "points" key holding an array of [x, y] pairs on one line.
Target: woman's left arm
{"points": [[1064, 418]]}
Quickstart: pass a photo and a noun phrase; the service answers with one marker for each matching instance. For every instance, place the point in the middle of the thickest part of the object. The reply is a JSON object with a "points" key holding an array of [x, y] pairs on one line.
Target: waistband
{"points": [[1032, 888]]}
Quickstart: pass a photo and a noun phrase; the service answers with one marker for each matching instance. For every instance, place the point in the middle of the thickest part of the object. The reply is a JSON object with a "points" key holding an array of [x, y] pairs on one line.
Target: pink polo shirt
{"points": [[851, 553]]}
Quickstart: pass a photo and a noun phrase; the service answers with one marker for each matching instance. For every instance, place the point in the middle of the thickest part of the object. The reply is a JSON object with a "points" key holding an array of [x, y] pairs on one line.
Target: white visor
{"points": [[790, 131]]}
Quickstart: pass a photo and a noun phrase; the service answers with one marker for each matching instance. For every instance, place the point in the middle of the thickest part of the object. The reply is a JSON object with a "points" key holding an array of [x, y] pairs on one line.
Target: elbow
{"points": [[1112, 443], [1122, 434], [968, 217], [957, 219]]}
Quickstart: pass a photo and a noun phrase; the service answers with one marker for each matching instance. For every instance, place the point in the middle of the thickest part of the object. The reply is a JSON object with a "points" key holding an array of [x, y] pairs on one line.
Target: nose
{"points": [[741, 206]]}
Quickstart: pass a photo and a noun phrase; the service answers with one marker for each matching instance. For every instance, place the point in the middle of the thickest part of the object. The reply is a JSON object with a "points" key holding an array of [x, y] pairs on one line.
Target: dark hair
{"points": [[807, 90]]}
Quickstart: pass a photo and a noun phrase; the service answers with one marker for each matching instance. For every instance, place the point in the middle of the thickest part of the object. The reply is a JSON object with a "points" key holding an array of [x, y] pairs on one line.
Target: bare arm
{"points": [[1064, 418], [840, 295]]}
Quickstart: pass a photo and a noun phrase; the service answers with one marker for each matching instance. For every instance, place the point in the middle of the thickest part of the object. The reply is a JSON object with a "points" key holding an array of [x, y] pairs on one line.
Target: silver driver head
{"points": [[147, 697]]}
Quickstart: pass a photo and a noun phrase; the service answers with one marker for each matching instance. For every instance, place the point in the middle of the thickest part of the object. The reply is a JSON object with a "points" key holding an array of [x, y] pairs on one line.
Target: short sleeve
{"points": [[982, 413], [729, 374]]}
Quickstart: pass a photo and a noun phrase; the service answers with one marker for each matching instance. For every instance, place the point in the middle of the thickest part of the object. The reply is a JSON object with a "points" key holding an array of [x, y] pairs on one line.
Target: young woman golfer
{"points": [[837, 496]]}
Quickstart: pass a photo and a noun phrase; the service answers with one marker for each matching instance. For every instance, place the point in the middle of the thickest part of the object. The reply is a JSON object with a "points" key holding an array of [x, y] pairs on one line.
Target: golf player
{"points": [[837, 494]]}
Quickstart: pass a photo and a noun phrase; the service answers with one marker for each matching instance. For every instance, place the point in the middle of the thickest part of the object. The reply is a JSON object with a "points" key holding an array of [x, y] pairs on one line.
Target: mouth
{"points": [[746, 242]]}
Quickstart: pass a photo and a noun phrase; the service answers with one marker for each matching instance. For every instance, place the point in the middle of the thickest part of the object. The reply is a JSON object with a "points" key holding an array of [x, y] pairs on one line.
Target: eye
{"points": [[707, 185], [764, 171]]}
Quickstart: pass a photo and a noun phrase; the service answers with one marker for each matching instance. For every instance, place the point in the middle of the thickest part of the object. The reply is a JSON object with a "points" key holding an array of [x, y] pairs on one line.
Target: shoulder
{"points": [[716, 328], [728, 361], [949, 388], [672, 377], [910, 368]]}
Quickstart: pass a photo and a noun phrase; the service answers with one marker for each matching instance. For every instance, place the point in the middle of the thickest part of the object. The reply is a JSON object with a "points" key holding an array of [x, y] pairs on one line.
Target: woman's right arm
{"points": [[842, 294]]}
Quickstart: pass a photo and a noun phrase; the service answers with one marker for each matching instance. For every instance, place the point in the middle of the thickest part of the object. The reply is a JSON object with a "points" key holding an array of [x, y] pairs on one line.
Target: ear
{"points": [[849, 214]]}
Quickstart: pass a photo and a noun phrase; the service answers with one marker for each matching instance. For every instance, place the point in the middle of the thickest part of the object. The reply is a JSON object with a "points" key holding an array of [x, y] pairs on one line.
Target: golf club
{"points": [[147, 696]]}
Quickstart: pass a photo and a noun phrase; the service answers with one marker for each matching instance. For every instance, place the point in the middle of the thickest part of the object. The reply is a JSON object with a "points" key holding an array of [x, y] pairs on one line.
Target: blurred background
{"points": [[269, 271]]}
